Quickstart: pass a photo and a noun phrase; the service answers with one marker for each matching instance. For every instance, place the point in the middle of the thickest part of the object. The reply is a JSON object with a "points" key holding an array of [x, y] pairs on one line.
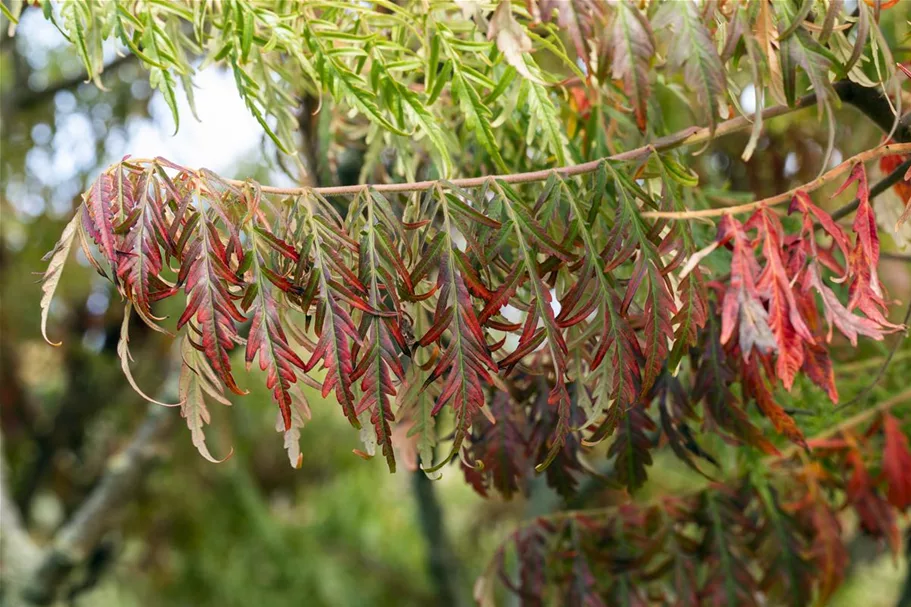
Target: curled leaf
{"points": [[56, 259], [123, 351]]}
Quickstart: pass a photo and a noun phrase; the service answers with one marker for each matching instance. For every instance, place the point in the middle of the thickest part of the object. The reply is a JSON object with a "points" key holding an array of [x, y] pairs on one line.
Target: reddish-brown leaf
{"points": [[632, 49], [756, 385], [100, 214], [897, 463], [818, 367], [466, 360], [658, 311], [785, 320], [501, 448], [828, 548], [876, 516], [140, 263], [690, 317], [712, 385]]}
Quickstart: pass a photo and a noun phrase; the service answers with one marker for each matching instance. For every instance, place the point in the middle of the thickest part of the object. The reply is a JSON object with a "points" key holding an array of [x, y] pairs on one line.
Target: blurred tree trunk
{"points": [[36, 576], [443, 564]]}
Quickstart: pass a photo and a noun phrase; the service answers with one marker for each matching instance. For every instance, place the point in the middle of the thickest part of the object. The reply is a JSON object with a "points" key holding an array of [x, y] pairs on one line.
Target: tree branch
{"points": [[689, 136], [828, 176], [870, 102], [19, 555], [900, 339], [74, 542], [26, 98], [876, 107]]}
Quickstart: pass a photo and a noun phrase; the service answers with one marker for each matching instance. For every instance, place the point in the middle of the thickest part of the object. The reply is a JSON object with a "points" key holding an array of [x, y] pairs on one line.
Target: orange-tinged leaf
{"points": [[756, 385], [818, 367]]}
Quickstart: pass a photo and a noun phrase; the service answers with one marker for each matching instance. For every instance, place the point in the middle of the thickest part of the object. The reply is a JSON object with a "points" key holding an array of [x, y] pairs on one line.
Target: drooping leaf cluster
{"points": [[532, 317]]}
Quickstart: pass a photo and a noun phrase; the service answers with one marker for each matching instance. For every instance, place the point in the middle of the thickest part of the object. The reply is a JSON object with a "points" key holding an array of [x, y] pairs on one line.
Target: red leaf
{"points": [[466, 360], [99, 203], [333, 349], [267, 340], [741, 308], [206, 277], [802, 202], [785, 319], [897, 463], [140, 264], [837, 315], [277, 244], [755, 385], [379, 365], [866, 291], [502, 295], [876, 516]]}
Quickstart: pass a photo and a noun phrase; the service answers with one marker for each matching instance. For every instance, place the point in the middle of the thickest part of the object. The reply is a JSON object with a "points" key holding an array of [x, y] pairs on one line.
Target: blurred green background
{"points": [[339, 531]]}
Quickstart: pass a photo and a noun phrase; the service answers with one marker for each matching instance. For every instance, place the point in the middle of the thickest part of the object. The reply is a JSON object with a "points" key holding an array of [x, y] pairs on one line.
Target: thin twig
{"points": [[882, 370], [870, 363], [689, 136], [29, 99], [872, 154], [902, 398]]}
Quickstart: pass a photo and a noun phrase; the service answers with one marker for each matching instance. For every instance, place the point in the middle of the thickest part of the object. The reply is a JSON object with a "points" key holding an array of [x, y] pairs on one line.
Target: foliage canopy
{"points": [[542, 289]]}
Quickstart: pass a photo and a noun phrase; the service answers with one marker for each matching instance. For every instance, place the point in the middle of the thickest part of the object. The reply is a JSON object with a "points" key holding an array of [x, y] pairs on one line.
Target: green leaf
{"points": [[12, 13], [692, 47], [545, 116]]}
